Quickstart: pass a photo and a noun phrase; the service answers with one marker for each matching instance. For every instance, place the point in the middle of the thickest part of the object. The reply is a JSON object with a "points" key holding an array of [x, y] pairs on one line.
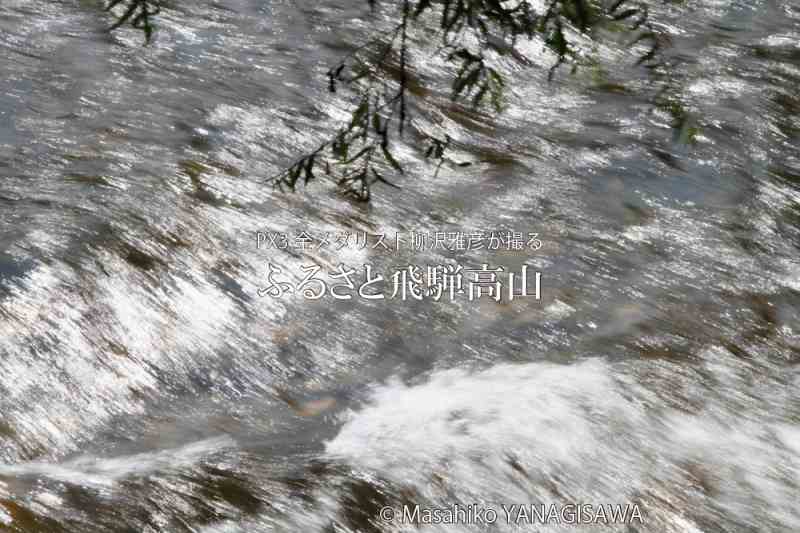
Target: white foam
{"points": [[585, 432], [104, 472]]}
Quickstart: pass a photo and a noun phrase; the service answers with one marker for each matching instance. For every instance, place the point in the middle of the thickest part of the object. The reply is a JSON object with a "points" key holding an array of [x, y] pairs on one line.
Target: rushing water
{"points": [[146, 386]]}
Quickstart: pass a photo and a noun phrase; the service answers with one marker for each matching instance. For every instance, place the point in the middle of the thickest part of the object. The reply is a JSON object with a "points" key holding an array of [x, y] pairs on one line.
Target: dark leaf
{"points": [[390, 159], [310, 169], [359, 155], [379, 177], [625, 14]]}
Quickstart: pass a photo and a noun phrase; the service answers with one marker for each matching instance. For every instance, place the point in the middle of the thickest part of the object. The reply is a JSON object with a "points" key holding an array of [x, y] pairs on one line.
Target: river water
{"points": [[146, 386]]}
